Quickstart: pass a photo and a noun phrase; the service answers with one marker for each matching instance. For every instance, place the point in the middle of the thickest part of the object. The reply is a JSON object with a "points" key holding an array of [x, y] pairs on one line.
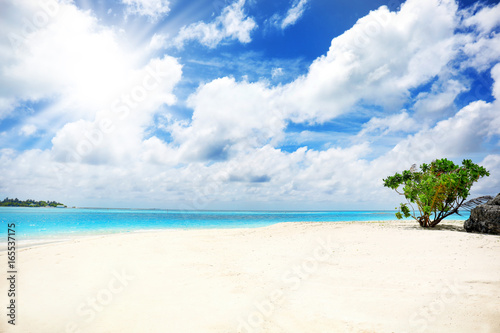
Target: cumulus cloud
{"points": [[483, 45], [90, 80], [439, 101], [464, 133], [485, 20], [394, 123], [231, 24], [228, 116], [377, 61], [481, 51], [347, 75], [456, 137], [153, 9], [116, 133]]}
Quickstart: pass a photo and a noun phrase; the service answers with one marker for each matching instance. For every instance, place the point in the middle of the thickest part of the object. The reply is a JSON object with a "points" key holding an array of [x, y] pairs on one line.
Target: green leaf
{"points": [[436, 187]]}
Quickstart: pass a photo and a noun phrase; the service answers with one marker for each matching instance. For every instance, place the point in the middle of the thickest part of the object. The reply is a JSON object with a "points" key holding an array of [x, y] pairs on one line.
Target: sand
{"points": [[289, 277]]}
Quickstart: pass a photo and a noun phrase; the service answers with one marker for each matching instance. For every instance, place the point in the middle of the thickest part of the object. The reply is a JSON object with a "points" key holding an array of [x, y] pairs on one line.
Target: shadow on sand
{"points": [[441, 226]]}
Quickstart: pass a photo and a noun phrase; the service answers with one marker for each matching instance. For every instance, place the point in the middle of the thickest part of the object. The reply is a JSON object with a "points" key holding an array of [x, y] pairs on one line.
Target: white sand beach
{"points": [[289, 277]]}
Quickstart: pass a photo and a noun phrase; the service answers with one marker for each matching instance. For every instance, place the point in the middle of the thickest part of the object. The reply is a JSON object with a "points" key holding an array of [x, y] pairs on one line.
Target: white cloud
{"points": [[350, 73], [276, 72], [228, 116], [293, 14], [7, 105], [482, 52], [485, 20], [462, 134], [495, 74], [231, 24], [439, 100], [483, 45], [28, 130], [395, 123], [333, 170], [84, 73], [377, 61], [158, 41], [356, 69], [116, 133], [489, 185], [153, 9]]}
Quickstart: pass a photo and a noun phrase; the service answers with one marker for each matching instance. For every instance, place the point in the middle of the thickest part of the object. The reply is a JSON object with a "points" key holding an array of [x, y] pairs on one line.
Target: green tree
{"points": [[437, 189], [29, 203]]}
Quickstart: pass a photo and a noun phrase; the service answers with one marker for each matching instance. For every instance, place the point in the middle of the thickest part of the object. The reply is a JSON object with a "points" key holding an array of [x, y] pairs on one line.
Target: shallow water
{"points": [[49, 223]]}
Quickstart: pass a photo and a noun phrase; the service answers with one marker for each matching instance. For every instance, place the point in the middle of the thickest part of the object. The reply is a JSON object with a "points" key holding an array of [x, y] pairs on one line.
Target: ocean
{"points": [[48, 224]]}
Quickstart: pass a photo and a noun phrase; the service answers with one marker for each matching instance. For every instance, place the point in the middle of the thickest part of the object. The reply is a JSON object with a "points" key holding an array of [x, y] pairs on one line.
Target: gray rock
{"points": [[495, 201], [485, 218]]}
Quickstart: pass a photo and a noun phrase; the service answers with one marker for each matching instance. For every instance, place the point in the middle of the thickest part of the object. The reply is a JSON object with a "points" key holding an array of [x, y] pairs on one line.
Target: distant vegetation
{"points": [[29, 203], [437, 189]]}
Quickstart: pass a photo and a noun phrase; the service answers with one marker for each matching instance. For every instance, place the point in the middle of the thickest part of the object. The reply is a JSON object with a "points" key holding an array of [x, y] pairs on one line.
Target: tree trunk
{"points": [[424, 221]]}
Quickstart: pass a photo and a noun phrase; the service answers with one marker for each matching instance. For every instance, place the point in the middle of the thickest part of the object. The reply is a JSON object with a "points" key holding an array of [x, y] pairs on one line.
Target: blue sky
{"points": [[301, 104]]}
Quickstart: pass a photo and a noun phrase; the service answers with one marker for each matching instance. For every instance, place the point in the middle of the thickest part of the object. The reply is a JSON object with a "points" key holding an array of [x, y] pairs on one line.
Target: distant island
{"points": [[30, 203]]}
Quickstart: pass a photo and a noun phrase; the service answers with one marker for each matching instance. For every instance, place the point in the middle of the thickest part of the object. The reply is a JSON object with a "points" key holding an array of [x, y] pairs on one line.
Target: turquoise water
{"points": [[49, 223]]}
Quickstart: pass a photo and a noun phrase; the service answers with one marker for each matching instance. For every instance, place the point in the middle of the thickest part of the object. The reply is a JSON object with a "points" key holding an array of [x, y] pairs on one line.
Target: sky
{"points": [[246, 104]]}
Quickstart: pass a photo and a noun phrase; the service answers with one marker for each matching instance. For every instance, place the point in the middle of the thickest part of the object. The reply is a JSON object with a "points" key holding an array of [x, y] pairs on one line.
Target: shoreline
{"points": [[351, 276], [33, 241]]}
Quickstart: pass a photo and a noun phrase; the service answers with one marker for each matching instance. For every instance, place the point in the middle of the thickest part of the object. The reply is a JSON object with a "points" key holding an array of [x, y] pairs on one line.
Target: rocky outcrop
{"points": [[485, 218]]}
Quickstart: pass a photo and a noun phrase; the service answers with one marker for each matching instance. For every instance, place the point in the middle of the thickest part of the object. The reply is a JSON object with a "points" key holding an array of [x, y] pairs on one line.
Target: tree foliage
{"points": [[437, 189], [29, 203]]}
